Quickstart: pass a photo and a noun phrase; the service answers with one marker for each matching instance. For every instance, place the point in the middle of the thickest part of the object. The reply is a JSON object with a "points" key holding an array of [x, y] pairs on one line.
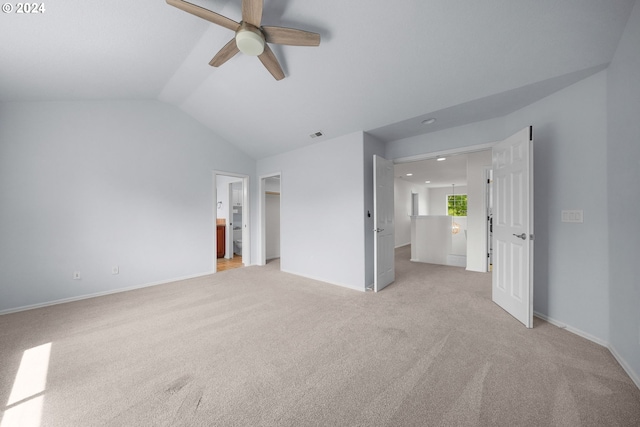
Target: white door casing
{"points": [[383, 219], [512, 287]]}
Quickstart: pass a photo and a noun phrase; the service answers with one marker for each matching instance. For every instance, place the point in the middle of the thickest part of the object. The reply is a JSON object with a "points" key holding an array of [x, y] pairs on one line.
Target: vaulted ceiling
{"points": [[382, 66]]}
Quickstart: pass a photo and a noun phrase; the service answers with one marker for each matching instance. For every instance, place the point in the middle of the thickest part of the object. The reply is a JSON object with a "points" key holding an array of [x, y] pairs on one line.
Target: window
{"points": [[457, 205]]}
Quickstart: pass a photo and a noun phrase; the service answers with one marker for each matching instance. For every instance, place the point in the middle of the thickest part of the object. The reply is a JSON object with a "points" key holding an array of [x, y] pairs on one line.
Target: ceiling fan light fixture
{"points": [[249, 42]]}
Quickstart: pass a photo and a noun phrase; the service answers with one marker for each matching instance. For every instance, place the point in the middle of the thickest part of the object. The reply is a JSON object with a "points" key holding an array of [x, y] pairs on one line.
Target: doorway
{"points": [[512, 223], [231, 237], [270, 219], [440, 190]]}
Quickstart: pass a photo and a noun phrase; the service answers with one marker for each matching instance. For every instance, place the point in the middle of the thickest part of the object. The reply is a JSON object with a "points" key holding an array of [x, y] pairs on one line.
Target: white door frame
{"points": [[246, 215], [262, 247], [488, 201]]}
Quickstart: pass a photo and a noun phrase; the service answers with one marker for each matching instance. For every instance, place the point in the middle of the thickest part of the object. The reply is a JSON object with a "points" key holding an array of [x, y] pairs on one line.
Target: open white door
{"points": [[383, 218], [513, 225]]}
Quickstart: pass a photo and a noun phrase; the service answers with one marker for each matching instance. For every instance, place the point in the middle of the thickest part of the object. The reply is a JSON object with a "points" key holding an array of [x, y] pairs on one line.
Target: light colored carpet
{"points": [[258, 347]]}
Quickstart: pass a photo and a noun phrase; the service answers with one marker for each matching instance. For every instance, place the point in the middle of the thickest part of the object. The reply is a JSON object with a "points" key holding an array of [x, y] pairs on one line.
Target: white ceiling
{"points": [[381, 67]]}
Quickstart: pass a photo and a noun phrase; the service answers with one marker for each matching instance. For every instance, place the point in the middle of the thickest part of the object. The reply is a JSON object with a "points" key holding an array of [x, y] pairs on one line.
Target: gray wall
{"points": [[321, 211], [86, 186], [462, 136], [623, 160]]}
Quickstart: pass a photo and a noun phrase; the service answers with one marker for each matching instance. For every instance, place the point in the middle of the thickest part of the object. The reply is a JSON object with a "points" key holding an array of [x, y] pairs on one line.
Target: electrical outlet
{"points": [[576, 216], [115, 270], [76, 275]]}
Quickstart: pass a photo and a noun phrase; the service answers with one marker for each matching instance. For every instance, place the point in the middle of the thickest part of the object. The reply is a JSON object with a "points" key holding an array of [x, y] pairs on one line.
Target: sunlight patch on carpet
{"points": [[24, 407]]}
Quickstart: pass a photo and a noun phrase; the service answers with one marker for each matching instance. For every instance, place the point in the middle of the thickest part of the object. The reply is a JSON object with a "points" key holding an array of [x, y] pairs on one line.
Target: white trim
{"points": [[342, 285], [434, 154], [100, 294], [634, 376], [571, 329]]}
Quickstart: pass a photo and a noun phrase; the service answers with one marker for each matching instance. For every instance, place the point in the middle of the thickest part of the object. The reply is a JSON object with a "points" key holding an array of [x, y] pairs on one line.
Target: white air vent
{"points": [[316, 134]]}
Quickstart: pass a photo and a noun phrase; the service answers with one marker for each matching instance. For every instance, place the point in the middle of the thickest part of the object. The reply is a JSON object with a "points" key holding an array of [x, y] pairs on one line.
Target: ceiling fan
{"points": [[251, 38]]}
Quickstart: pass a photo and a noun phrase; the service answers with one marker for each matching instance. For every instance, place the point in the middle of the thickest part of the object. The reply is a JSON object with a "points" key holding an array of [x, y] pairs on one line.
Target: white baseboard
{"points": [[571, 329], [98, 294], [623, 363], [633, 375], [342, 285]]}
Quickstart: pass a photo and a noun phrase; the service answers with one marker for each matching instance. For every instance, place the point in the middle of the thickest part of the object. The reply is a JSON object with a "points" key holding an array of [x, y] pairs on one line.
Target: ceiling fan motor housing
{"points": [[250, 40]]}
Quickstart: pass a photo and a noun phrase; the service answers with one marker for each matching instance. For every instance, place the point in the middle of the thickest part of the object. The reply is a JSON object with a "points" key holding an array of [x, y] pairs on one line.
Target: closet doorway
{"points": [[270, 204]]}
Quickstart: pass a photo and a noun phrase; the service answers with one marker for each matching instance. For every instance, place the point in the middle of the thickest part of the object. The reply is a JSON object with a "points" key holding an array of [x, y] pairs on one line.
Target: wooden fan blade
{"points": [[290, 36], [226, 53], [205, 14], [252, 12], [270, 61]]}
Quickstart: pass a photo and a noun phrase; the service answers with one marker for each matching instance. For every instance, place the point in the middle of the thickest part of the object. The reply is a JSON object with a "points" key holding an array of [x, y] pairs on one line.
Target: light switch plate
{"points": [[576, 216]]}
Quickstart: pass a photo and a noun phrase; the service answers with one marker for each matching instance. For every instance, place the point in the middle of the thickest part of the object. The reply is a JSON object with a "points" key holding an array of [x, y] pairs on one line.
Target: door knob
{"points": [[523, 236], [378, 229]]}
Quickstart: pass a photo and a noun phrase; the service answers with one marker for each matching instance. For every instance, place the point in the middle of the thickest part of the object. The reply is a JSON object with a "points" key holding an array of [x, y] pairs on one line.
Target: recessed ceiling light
{"points": [[441, 159], [409, 174], [427, 182], [429, 121]]}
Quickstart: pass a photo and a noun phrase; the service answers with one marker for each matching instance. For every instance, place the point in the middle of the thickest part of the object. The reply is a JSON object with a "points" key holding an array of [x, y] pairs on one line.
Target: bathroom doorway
{"points": [[231, 212]]}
